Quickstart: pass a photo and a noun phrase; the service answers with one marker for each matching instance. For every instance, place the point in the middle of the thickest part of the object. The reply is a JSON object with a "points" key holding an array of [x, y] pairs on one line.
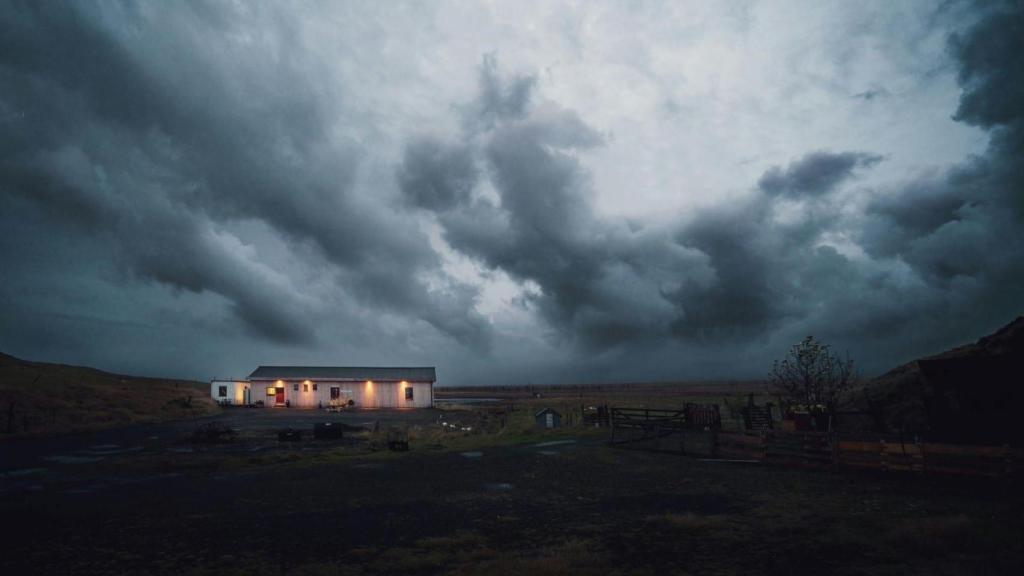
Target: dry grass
{"points": [[935, 534], [689, 521], [467, 553], [56, 398]]}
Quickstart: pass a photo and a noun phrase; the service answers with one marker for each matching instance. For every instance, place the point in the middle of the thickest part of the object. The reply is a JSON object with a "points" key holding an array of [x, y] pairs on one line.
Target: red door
{"points": [[279, 399]]}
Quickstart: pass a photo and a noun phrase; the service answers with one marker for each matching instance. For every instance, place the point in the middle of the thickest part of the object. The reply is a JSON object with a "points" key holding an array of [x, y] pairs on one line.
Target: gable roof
{"points": [[396, 373]]}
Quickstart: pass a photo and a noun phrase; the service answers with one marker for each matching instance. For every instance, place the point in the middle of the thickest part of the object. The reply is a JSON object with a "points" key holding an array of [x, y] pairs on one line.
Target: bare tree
{"points": [[812, 376]]}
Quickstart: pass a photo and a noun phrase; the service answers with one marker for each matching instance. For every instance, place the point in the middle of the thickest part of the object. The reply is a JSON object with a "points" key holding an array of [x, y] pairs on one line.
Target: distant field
{"points": [[572, 400], [692, 388], [40, 398], [625, 393]]}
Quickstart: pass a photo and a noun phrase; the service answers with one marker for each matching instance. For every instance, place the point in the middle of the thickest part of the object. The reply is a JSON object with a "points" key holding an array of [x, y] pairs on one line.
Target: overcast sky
{"points": [[514, 192]]}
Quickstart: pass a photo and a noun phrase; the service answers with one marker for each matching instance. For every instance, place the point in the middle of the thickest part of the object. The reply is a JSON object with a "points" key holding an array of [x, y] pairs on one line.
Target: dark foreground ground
{"points": [[144, 502]]}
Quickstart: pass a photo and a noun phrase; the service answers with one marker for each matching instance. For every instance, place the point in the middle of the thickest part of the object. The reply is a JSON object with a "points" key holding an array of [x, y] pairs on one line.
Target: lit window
{"points": [[222, 391], [271, 391], [408, 393]]}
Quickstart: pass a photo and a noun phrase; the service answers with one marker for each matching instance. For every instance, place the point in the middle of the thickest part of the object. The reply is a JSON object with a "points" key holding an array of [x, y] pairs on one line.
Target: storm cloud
{"points": [[228, 185], [814, 174], [113, 137]]}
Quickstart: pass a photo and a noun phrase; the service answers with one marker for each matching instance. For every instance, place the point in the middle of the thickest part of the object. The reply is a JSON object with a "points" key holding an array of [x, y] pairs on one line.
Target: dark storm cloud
{"points": [[436, 176], [599, 282], [744, 298], [991, 68], [815, 174], [731, 273], [968, 222], [156, 138], [942, 247], [199, 159], [958, 233], [498, 100], [768, 271]]}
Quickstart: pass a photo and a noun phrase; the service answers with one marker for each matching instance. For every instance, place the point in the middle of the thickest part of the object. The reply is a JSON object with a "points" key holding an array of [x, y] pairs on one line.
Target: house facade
{"points": [[234, 392], [359, 387]]}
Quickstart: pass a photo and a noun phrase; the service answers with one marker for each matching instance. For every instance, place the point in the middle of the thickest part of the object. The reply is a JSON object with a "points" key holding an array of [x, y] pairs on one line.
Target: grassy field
{"points": [[40, 398], [481, 491], [519, 502], [613, 392]]}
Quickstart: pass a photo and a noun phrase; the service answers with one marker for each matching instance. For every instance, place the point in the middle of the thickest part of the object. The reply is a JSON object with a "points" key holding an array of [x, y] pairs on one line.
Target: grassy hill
{"points": [[41, 398], [969, 393]]}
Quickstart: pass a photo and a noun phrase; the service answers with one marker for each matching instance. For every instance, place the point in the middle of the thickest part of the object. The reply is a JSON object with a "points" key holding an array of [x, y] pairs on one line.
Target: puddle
{"points": [[64, 459], [22, 472], [472, 454], [554, 443], [86, 489], [548, 452], [113, 483], [499, 486], [97, 451], [150, 478]]}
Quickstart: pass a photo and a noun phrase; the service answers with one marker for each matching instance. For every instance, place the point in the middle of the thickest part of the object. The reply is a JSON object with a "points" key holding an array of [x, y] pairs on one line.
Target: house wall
{"points": [[236, 391], [301, 393]]}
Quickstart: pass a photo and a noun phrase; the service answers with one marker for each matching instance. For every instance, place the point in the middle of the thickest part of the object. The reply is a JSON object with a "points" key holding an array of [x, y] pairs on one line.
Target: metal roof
{"points": [[397, 373]]}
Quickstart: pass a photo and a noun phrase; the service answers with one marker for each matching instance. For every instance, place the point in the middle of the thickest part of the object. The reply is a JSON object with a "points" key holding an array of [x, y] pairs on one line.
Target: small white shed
{"points": [[234, 392]]}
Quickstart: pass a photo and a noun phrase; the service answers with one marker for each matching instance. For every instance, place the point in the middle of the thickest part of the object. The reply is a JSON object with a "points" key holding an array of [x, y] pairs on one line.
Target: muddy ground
{"points": [[146, 502]]}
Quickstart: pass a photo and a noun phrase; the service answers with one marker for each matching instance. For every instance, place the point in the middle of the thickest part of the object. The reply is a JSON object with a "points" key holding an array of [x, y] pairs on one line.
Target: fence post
{"points": [[834, 441], [1007, 461]]}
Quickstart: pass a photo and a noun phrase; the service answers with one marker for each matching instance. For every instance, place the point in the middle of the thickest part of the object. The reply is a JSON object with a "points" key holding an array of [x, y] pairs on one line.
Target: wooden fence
{"points": [[639, 424], [929, 457], [825, 450]]}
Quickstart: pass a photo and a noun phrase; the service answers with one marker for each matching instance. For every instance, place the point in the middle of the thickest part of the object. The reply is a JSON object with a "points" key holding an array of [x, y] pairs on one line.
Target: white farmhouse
{"points": [[324, 386]]}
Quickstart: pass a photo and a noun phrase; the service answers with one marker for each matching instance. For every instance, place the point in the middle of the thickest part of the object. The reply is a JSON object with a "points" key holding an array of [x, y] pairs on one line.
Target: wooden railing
{"points": [[928, 457], [819, 449]]}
